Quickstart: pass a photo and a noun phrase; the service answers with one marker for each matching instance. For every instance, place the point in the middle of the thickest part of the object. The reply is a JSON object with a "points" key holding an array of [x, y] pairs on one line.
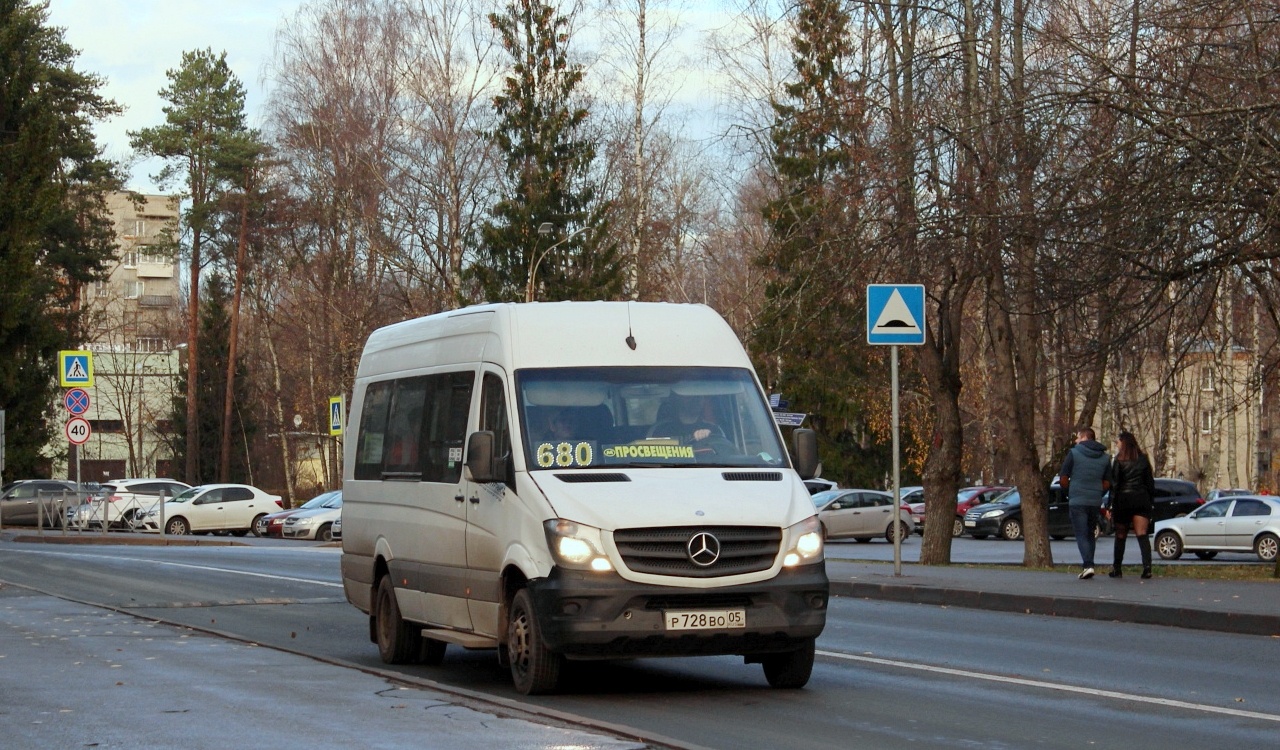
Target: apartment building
{"points": [[133, 332]]}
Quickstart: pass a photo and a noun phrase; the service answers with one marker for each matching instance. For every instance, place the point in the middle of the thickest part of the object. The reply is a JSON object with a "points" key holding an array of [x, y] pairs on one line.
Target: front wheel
{"points": [[259, 525], [398, 641], [535, 669], [791, 670], [177, 527], [1011, 529], [325, 533], [1168, 545], [957, 528], [1266, 547]]}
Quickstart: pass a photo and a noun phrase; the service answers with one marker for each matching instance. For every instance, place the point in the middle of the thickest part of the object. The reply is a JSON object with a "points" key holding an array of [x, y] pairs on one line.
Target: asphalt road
{"points": [[888, 675]]}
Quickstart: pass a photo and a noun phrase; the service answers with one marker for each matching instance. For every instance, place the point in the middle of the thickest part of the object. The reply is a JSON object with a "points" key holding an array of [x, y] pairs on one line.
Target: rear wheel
{"points": [[398, 641], [177, 527], [535, 669], [902, 531], [1011, 529], [1168, 545], [791, 670], [1206, 554], [1266, 547]]}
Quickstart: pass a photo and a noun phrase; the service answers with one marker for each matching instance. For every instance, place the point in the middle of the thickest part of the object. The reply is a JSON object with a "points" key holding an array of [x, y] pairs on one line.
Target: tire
{"points": [[535, 669], [399, 642], [177, 526], [1266, 547], [253, 526], [1206, 554], [1011, 529], [1168, 545], [902, 532], [789, 671], [957, 528], [325, 533]]}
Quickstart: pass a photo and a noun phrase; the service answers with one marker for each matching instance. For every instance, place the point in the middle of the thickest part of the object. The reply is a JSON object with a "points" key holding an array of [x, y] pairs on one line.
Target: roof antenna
{"points": [[631, 340]]}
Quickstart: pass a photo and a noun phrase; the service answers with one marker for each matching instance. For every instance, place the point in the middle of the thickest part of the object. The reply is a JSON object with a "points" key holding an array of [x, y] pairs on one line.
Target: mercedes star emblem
{"points": [[703, 549]]}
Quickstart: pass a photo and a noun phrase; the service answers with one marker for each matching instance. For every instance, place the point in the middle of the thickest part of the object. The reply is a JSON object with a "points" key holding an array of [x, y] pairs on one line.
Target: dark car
{"points": [[1003, 517], [965, 499], [1175, 497], [27, 501]]}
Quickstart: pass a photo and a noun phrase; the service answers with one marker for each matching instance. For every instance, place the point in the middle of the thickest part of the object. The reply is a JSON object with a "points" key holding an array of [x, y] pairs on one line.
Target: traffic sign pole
{"points": [[897, 485]]}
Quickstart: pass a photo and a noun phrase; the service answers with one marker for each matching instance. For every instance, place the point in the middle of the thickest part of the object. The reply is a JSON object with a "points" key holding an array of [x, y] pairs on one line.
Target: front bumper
{"points": [[602, 616], [983, 526]]}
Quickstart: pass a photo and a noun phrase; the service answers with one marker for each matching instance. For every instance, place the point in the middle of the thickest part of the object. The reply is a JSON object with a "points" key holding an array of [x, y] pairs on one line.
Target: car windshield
{"points": [[1008, 497], [186, 495], [610, 417], [320, 501]]}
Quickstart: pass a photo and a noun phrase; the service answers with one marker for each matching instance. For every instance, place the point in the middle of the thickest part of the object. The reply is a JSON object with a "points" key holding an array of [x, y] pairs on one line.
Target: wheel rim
{"points": [[957, 529], [518, 642], [1267, 548], [1166, 545], [1012, 530]]}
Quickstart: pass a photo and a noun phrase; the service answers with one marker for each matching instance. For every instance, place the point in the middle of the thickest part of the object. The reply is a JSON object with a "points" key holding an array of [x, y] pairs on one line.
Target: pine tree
{"points": [[808, 336], [211, 380], [205, 142], [54, 232], [548, 159]]}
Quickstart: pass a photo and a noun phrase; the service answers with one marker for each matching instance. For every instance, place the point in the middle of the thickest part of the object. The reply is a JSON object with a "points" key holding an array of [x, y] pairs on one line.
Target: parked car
{"points": [[1003, 516], [124, 499], [1175, 497], [28, 501], [233, 508], [1233, 524], [965, 499], [337, 528], [315, 523], [1219, 494], [273, 523], [816, 485], [860, 514]]}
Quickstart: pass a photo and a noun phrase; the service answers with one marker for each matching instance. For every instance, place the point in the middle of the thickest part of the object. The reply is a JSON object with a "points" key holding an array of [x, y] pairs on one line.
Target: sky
{"points": [[132, 43]]}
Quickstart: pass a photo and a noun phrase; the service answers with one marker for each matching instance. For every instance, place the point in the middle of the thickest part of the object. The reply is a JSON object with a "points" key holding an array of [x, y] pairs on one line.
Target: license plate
{"points": [[706, 619], [970, 523]]}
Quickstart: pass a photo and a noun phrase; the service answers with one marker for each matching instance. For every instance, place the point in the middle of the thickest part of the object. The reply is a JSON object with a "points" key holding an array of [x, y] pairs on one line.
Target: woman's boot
{"points": [[1144, 546], [1118, 558]]}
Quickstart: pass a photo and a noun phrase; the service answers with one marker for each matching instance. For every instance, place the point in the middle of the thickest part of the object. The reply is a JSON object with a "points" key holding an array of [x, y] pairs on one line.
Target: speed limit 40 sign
{"points": [[78, 430]]}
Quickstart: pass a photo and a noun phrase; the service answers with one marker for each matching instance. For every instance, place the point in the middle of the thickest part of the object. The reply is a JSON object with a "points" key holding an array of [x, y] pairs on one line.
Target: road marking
{"points": [[1090, 692], [179, 565]]}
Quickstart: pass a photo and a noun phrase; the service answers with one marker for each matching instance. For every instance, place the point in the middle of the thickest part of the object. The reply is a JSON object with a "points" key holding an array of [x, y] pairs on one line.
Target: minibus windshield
{"points": [[609, 417]]}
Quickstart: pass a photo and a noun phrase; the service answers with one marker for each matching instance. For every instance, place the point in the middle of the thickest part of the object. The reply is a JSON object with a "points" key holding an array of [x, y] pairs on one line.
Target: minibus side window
{"points": [[448, 406], [402, 456], [373, 430], [493, 417]]}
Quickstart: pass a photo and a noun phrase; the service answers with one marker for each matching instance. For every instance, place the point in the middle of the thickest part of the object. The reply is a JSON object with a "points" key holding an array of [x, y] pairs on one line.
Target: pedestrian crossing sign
{"points": [[335, 415], [75, 368], [895, 314]]}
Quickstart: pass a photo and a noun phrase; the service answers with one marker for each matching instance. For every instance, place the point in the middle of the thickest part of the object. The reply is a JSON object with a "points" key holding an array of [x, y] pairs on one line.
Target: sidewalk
{"points": [[1246, 607]]}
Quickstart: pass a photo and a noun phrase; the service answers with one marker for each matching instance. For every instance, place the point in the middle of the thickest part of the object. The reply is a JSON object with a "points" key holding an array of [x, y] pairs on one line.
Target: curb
{"points": [[1087, 609]]}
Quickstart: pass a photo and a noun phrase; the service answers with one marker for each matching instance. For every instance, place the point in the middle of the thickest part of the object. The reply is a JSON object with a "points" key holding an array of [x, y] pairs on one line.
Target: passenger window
{"points": [[236, 494], [1251, 508], [401, 454], [373, 429], [448, 407]]}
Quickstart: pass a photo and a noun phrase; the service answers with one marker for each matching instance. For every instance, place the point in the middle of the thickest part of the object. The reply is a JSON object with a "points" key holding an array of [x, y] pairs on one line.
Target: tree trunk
{"points": [[228, 396]]}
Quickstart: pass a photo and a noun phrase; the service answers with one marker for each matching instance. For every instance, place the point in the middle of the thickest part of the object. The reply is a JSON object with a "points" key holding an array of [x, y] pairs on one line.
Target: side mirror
{"points": [[805, 451], [480, 462]]}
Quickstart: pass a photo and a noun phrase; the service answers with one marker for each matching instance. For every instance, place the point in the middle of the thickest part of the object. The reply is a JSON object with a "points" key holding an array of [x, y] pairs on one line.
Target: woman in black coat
{"points": [[1133, 491]]}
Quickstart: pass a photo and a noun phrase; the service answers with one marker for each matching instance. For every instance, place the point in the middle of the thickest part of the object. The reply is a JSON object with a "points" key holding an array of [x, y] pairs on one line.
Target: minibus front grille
{"points": [[752, 476], [666, 550], [593, 477]]}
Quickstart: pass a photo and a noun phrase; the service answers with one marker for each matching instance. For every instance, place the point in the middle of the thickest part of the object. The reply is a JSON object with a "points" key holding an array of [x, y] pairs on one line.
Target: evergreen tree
{"points": [[548, 158], [808, 336], [211, 381], [205, 142], [54, 231]]}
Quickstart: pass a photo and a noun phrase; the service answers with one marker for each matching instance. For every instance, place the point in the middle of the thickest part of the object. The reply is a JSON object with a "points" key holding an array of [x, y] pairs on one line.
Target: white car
{"points": [[123, 500], [213, 507], [860, 514], [314, 523], [1233, 524]]}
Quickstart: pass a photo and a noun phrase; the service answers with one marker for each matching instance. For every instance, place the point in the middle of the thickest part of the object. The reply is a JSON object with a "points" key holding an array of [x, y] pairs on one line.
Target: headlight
{"points": [[575, 546], [992, 513], [805, 543], [303, 521]]}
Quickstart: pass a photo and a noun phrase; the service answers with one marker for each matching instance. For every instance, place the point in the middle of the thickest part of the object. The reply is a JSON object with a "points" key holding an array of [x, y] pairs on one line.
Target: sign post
{"points": [[895, 315]]}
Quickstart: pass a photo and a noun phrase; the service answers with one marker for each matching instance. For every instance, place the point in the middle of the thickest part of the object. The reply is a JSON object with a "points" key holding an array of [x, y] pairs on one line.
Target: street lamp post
{"points": [[544, 229]]}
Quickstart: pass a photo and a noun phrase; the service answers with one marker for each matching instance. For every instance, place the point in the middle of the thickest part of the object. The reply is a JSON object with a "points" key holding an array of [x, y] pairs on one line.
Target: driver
{"points": [[690, 425]]}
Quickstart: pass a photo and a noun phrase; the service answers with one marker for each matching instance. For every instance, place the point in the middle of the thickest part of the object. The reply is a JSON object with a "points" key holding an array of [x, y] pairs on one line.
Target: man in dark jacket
{"points": [[1086, 476]]}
